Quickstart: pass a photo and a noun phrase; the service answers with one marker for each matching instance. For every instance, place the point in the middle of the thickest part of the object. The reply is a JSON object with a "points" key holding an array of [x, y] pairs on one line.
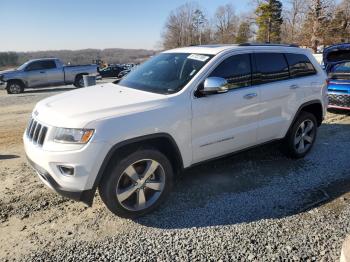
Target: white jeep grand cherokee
{"points": [[181, 107]]}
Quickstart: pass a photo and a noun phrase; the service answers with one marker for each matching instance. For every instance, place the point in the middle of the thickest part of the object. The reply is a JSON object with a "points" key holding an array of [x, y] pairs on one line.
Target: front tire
{"points": [[301, 136], [14, 87], [137, 184]]}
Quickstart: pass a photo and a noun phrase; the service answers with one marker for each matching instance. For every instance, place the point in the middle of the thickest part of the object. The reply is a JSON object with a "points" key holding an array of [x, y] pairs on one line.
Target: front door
{"points": [[36, 74], [227, 122]]}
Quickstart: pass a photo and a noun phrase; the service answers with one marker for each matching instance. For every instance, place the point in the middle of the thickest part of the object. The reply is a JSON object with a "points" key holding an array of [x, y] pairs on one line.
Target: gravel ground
{"points": [[253, 206]]}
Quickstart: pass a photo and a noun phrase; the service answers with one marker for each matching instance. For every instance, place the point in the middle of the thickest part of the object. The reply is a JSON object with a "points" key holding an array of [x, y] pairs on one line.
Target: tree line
{"points": [[85, 56], [8, 59], [309, 23]]}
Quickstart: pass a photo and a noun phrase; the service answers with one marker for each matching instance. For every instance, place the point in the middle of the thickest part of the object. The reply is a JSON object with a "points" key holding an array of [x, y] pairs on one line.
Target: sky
{"points": [[31, 25]]}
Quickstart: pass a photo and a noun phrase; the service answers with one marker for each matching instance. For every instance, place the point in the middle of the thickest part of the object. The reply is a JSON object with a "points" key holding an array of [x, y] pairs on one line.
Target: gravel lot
{"points": [[253, 206]]}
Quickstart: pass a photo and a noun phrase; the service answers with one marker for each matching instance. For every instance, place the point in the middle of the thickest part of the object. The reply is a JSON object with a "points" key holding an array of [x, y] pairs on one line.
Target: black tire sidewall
{"points": [[14, 82], [108, 184], [291, 134], [77, 80]]}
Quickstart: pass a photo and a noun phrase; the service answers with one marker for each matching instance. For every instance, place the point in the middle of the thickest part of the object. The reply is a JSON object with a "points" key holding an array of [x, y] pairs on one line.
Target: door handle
{"points": [[250, 96], [42, 72], [294, 86]]}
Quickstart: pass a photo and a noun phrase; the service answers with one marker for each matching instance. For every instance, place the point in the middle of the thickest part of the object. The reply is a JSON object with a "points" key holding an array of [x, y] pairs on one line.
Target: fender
{"points": [[88, 198], [24, 83], [312, 102]]}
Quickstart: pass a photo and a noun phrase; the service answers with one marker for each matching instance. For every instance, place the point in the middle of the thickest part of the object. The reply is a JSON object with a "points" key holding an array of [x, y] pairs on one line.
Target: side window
{"points": [[34, 66], [236, 70], [270, 67], [48, 64], [39, 65], [300, 65]]}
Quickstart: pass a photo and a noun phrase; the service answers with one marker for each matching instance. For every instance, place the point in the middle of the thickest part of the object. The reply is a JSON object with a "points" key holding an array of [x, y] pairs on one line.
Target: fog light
{"points": [[66, 170]]}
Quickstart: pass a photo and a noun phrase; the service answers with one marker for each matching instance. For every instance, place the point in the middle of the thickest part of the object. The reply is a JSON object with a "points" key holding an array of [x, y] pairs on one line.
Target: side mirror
{"points": [[214, 85]]}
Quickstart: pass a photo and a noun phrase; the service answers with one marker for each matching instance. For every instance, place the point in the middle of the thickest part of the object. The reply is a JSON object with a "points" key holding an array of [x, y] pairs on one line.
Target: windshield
{"points": [[22, 67], [166, 73]]}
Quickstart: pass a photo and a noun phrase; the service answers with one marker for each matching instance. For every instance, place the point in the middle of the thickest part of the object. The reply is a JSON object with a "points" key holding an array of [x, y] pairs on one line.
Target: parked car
{"points": [[179, 108], [124, 73], [337, 63], [110, 71], [127, 70], [43, 73]]}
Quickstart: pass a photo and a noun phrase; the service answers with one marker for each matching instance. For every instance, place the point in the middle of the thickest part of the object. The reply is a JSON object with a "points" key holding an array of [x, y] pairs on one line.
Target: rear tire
{"points": [[301, 136], [14, 87], [79, 81], [129, 191]]}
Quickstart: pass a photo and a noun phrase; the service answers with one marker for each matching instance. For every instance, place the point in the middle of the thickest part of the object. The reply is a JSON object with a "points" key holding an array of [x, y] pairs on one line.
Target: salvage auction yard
{"points": [[257, 205]]}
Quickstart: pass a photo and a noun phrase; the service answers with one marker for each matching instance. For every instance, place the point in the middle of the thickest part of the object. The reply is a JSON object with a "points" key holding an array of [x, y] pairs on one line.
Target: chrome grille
{"points": [[36, 132]]}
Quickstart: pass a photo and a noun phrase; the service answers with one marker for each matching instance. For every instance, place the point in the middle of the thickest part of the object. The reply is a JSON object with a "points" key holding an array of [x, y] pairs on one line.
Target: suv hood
{"points": [[335, 54], [7, 72], [75, 109]]}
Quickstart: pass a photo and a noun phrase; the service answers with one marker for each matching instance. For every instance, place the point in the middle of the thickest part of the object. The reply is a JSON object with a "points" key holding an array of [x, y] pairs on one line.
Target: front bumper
{"points": [[85, 196], [339, 100], [2, 85], [86, 162]]}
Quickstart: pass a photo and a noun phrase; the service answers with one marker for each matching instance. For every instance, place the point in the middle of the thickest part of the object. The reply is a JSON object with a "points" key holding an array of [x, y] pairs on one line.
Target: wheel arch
{"points": [[16, 80], [314, 107], [79, 75], [164, 142]]}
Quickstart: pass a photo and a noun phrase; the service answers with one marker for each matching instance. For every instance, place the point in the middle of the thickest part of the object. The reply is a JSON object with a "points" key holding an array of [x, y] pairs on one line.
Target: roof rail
{"points": [[267, 44]]}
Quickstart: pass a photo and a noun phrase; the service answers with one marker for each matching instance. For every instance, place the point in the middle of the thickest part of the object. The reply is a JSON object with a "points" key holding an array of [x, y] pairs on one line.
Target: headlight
{"points": [[73, 135]]}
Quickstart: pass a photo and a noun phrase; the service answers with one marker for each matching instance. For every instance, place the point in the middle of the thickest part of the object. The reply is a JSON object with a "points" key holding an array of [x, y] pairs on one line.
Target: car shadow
{"points": [[258, 184], [339, 111], [6, 157]]}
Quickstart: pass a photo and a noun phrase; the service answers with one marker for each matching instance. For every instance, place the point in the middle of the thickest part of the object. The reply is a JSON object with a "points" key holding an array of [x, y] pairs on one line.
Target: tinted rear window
{"points": [[300, 65], [49, 64], [270, 67]]}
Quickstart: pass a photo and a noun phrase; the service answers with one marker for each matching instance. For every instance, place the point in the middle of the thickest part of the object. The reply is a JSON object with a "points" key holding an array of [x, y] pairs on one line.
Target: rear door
{"points": [[279, 95], [55, 75], [303, 77], [227, 122]]}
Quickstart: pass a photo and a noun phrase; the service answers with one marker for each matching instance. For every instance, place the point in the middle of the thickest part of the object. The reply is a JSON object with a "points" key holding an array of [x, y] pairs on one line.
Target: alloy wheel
{"points": [[140, 185], [15, 88], [304, 136], [81, 82]]}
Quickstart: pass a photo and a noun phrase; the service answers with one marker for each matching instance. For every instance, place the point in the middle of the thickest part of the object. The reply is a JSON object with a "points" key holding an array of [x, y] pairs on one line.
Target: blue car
{"points": [[336, 60]]}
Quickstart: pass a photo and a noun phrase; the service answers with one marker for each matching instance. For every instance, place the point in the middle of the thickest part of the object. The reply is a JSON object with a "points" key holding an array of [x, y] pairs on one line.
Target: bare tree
{"points": [[340, 24], [226, 23], [199, 21], [184, 26], [320, 15], [292, 20]]}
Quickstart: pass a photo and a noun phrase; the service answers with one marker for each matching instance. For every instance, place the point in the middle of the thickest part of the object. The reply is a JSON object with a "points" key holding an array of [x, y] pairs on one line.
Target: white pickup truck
{"points": [[44, 73], [180, 108]]}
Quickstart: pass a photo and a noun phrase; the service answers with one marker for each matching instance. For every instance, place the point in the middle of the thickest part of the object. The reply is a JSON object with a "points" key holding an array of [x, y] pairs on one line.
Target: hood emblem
{"points": [[36, 113]]}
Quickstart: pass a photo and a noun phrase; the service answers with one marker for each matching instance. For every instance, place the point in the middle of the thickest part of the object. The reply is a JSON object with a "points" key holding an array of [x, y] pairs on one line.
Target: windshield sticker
{"points": [[197, 57]]}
